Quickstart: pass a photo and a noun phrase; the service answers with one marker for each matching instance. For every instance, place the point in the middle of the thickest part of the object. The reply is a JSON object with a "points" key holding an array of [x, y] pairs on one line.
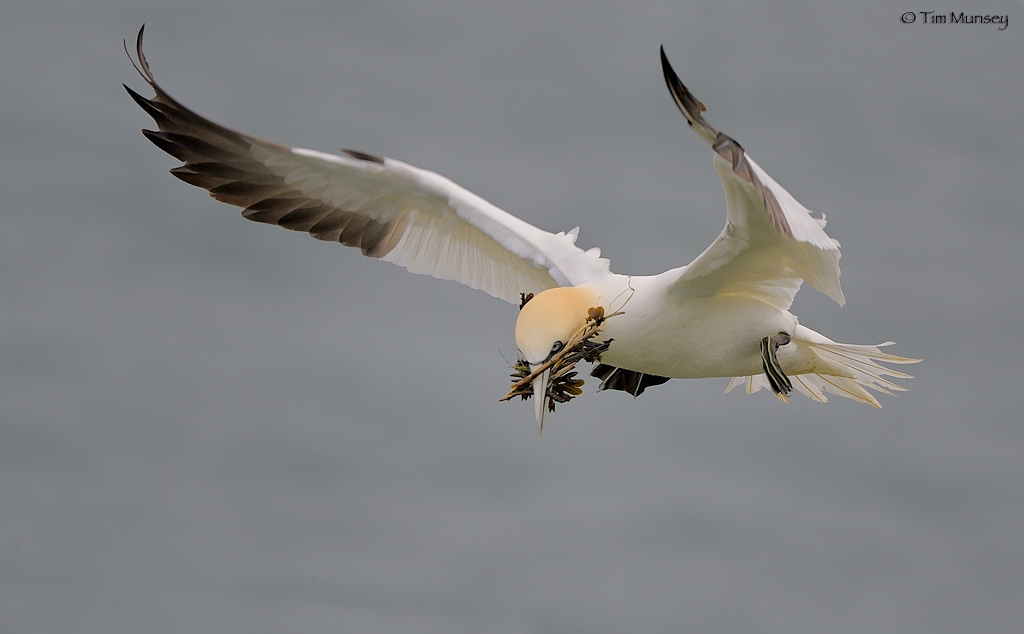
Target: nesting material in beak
{"points": [[555, 379]]}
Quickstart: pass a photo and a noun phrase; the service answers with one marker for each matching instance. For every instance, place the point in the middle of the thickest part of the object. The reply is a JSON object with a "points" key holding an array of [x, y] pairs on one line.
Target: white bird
{"points": [[726, 314]]}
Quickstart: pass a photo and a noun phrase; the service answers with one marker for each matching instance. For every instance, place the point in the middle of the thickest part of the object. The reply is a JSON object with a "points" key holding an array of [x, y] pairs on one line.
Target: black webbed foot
{"points": [[776, 377], [628, 381]]}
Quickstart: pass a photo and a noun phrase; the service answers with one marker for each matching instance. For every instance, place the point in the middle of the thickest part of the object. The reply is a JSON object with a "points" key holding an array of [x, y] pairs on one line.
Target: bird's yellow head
{"points": [[545, 325], [548, 320]]}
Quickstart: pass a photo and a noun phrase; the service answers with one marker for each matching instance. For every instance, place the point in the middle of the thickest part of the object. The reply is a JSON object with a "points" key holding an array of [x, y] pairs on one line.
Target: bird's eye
{"points": [[557, 347]]}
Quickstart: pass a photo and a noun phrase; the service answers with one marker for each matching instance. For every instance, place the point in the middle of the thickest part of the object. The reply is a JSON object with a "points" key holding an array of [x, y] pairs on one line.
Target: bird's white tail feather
{"points": [[841, 368]]}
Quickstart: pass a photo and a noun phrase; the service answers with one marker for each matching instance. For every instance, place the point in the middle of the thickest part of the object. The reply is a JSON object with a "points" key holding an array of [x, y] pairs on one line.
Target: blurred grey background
{"points": [[212, 425]]}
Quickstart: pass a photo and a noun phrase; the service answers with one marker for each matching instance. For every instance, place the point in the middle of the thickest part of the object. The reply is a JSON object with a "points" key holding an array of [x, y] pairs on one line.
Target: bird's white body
{"points": [[702, 337], [726, 314]]}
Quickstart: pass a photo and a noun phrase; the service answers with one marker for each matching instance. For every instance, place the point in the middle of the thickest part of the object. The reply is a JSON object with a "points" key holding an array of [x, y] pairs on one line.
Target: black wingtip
{"points": [[690, 106], [138, 38], [147, 105], [675, 85], [666, 68], [142, 68]]}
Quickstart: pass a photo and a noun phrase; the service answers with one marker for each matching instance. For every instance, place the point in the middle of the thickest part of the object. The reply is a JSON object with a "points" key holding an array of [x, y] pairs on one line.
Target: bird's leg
{"points": [[776, 377]]}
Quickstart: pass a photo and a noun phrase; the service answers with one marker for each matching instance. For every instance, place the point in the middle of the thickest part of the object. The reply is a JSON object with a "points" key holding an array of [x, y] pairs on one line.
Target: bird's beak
{"points": [[540, 399]]}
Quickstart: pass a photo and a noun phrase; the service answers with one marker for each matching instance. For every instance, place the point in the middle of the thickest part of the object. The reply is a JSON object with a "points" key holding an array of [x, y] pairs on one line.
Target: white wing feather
{"points": [[770, 242], [391, 210]]}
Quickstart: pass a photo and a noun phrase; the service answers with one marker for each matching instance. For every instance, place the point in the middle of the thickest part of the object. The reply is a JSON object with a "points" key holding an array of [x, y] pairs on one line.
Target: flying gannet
{"points": [[726, 314]]}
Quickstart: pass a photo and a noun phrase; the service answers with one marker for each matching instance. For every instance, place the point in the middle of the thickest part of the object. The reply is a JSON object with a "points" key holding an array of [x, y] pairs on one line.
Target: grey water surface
{"points": [[210, 425]]}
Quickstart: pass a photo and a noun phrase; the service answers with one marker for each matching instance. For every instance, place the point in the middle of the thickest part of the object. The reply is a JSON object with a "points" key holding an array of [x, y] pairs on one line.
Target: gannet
{"points": [[726, 314]]}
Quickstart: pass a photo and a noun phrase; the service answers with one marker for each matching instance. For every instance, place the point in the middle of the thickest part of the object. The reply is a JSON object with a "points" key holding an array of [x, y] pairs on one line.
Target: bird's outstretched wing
{"points": [[770, 243], [389, 209]]}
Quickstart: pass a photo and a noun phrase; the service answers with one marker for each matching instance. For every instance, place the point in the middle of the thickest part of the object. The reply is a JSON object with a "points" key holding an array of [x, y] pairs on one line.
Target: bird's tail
{"points": [[839, 368]]}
